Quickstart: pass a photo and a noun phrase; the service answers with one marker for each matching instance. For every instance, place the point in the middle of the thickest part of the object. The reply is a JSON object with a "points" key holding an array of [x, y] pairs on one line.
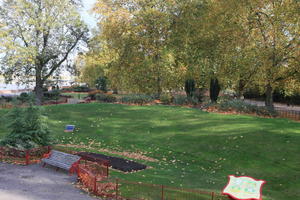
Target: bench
{"points": [[61, 160]]}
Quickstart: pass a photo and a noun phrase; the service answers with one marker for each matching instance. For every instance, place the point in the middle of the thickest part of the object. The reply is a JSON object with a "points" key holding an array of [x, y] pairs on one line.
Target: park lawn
{"points": [[195, 149]]}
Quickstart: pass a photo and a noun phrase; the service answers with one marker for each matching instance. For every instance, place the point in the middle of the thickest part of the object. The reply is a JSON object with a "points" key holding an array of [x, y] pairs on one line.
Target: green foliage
{"points": [[180, 100], [28, 129], [137, 99], [24, 97], [199, 94], [193, 100], [242, 107], [214, 89], [190, 87], [166, 98], [101, 83], [7, 98], [52, 95], [108, 98], [82, 88]]}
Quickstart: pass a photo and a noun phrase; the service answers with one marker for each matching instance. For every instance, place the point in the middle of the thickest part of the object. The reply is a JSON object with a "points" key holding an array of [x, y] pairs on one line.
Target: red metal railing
{"points": [[290, 114], [141, 191], [96, 182], [120, 189], [102, 164], [25, 157]]}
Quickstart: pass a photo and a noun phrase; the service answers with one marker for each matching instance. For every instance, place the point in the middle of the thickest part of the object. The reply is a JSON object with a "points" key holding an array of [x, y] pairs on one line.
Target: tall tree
{"points": [[270, 30], [38, 36], [137, 33]]}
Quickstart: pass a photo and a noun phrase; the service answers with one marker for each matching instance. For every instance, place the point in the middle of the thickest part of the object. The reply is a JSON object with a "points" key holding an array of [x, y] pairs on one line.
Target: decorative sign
{"points": [[244, 188], [69, 128]]}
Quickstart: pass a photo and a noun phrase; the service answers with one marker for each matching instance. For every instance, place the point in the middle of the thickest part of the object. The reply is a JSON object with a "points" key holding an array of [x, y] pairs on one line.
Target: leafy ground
{"points": [[194, 149]]}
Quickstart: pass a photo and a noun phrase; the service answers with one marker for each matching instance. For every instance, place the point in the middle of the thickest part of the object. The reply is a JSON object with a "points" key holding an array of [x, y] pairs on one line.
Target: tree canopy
{"points": [[153, 46], [147, 46], [37, 37]]}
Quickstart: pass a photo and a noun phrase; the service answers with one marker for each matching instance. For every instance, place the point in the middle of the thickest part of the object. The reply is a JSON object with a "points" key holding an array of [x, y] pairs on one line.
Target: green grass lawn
{"points": [[195, 149]]}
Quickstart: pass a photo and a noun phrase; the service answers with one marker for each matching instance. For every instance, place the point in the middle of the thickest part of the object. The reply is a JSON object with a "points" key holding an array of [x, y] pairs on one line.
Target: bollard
{"points": [[117, 188], [95, 184], [27, 157], [162, 192]]}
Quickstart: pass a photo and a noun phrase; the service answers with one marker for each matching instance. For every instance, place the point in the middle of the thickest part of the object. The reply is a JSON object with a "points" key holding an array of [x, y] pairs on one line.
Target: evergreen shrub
{"points": [[28, 129]]}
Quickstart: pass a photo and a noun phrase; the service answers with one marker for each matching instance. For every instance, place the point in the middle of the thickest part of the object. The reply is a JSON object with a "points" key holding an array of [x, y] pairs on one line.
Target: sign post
{"points": [[244, 188]]}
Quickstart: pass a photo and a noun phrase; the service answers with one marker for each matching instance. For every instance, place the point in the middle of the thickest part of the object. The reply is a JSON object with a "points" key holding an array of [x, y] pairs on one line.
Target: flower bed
{"points": [[23, 157]]}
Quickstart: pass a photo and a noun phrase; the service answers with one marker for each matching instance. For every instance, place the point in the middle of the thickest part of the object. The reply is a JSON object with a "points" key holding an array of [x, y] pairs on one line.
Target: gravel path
{"points": [[36, 183]]}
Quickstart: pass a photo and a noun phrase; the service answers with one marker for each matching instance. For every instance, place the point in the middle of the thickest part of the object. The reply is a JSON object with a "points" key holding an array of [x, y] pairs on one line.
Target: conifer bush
{"points": [[190, 87], [137, 99], [28, 129]]}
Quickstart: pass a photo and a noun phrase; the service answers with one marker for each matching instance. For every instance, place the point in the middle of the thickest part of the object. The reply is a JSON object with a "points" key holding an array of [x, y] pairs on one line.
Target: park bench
{"points": [[62, 160]]}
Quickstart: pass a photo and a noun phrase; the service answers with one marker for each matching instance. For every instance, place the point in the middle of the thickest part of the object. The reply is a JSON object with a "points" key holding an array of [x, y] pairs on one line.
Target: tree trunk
{"points": [[269, 96], [214, 89], [159, 90], [39, 93], [158, 78], [115, 91], [240, 91]]}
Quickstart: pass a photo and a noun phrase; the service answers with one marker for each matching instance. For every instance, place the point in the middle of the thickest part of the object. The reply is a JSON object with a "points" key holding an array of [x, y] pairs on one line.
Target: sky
{"points": [[86, 14]]}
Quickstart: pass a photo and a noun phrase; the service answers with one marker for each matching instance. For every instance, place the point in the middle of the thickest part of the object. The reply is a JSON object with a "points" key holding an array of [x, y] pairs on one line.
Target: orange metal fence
{"points": [[290, 114], [120, 189]]}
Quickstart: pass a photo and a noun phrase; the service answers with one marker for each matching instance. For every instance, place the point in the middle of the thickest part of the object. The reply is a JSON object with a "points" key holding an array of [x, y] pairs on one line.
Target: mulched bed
{"points": [[115, 162]]}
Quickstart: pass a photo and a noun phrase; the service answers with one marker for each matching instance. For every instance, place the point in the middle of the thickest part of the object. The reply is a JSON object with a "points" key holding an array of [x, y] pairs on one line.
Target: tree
{"points": [[89, 67], [101, 83], [37, 39], [152, 46], [267, 33], [276, 32], [136, 33]]}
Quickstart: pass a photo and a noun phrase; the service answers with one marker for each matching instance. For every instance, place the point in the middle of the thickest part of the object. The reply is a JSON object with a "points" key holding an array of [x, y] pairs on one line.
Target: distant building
{"points": [[12, 89]]}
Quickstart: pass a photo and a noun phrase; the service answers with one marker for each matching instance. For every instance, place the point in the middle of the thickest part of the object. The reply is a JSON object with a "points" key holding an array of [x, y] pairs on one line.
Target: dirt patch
{"points": [[132, 155]]}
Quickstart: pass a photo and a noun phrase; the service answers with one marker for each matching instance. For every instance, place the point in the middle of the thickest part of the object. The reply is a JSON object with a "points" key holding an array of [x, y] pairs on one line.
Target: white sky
{"points": [[86, 14]]}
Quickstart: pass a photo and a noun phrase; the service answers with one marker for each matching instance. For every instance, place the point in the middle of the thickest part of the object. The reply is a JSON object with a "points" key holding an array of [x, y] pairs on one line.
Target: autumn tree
{"points": [[267, 41], [189, 41], [137, 34], [37, 39], [158, 45]]}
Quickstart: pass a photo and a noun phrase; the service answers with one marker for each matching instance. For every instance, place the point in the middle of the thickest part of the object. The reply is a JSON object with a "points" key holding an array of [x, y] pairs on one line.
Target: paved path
{"points": [[278, 106], [36, 183]]}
